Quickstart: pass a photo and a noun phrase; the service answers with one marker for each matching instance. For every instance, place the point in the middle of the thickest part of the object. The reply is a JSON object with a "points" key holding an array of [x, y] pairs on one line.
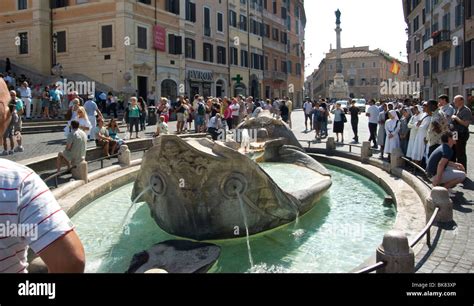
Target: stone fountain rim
{"points": [[84, 194]]}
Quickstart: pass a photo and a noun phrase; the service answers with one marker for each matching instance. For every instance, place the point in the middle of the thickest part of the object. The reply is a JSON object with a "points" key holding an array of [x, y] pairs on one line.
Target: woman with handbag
{"points": [[339, 120]]}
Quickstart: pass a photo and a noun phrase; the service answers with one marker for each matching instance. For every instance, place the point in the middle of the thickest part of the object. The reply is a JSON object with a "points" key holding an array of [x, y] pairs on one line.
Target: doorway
{"points": [[142, 84]]}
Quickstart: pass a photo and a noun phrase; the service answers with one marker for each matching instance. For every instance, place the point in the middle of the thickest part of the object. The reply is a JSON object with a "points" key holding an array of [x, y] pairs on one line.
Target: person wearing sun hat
{"points": [[92, 111]]}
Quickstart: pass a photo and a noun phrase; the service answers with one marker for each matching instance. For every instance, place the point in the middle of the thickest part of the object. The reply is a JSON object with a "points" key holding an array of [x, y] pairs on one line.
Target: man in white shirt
{"points": [[373, 113], [446, 108], [25, 95], [27, 203], [92, 111], [289, 104], [215, 124], [308, 111], [9, 79], [235, 107]]}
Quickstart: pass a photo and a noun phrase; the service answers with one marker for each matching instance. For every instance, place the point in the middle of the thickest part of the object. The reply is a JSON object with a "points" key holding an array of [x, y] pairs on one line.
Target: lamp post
{"points": [[55, 43]]}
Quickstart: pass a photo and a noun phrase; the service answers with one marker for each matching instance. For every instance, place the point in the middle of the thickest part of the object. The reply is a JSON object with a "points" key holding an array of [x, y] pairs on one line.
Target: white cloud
{"points": [[374, 23]]}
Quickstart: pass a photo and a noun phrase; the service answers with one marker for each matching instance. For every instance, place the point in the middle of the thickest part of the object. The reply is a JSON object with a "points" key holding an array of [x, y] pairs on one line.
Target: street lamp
{"points": [[55, 43]]}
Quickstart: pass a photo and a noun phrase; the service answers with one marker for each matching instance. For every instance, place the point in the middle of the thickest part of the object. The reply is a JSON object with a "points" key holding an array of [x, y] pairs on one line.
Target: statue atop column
{"points": [[339, 89]]}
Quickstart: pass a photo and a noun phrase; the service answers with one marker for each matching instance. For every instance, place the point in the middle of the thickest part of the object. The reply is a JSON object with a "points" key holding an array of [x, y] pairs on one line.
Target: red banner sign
{"points": [[159, 34]]}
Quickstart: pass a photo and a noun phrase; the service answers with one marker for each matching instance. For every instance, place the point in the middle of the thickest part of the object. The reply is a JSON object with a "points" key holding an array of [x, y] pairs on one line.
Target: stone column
{"points": [[395, 251], [366, 151], [81, 172], [439, 197], [330, 144], [396, 160], [125, 156]]}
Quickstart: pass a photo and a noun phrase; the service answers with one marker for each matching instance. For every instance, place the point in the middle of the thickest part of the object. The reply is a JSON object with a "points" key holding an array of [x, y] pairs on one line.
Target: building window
{"points": [[469, 53], [244, 58], [190, 48], [59, 3], [190, 11], [175, 44], [416, 24], [220, 22], [447, 21], [61, 41], [243, 23], [142, 38], [141, 1], [172, 6], [234, 56], [107, 37], [284, 66], [426, 68], [22, 5], [446, 59], [257, 61], [284, 37], [459, 16], [289, 69], [23, 48], [458, 56], [275, 11], [232, 18], [207, 22], [298, 69], [434, 64], [275, 34], [469, 9], [208, 52], [221, 55], [283, 13]]}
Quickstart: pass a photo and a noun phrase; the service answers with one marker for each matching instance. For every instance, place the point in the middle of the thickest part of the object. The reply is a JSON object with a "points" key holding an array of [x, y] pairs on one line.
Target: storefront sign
{"points": [[197, 75], [159, 37]]}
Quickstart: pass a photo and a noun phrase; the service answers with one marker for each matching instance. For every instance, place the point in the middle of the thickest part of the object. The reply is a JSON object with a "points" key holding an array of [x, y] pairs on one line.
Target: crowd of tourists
{"points": [[432, 134]]}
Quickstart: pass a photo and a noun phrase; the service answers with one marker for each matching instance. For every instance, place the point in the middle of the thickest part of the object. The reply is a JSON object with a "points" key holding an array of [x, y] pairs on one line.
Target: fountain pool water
{"points": [[337, 235]]}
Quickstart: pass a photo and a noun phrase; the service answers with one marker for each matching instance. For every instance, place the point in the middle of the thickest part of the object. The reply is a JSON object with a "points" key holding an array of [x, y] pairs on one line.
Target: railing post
{"points": [[125, 156], [365, 152], [439, 197], [80, 172], [396, 160], [330, 144], [395, 251]]}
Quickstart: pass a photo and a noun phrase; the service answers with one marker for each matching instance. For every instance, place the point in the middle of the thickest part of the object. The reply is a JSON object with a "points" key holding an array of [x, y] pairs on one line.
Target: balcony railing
{"points": [[440, 41], [275, 75]]}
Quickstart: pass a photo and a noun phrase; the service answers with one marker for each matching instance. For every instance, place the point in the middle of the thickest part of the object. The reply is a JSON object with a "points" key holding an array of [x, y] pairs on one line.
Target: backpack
{"points": [[201, 110]]}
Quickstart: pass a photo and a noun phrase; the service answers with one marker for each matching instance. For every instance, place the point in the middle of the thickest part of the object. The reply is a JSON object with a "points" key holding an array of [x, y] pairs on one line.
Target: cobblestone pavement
{"points": [[453, 247]]}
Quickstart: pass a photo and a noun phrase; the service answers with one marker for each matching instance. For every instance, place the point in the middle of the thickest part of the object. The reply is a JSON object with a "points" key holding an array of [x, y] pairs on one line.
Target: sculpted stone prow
{"points": [[195, 184]]}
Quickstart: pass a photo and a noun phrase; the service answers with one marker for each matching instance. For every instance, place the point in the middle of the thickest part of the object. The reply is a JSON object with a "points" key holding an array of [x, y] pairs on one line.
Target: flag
{"points": [[395, 69]]}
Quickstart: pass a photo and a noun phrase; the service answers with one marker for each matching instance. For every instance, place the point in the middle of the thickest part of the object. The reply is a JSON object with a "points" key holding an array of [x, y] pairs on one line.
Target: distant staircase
{"points": [[39, 78]]}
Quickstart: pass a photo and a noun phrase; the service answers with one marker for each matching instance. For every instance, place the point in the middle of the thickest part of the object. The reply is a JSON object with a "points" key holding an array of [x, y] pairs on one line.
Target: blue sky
{"points": [[376, 23]]}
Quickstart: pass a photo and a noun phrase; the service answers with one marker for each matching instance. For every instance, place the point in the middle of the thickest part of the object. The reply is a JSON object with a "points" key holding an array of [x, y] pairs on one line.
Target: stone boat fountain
{"points": [[196, 188]]}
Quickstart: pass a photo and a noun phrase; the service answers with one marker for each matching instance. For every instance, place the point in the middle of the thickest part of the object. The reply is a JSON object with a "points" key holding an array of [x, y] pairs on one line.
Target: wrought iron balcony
{"points": [[440, 41]]}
